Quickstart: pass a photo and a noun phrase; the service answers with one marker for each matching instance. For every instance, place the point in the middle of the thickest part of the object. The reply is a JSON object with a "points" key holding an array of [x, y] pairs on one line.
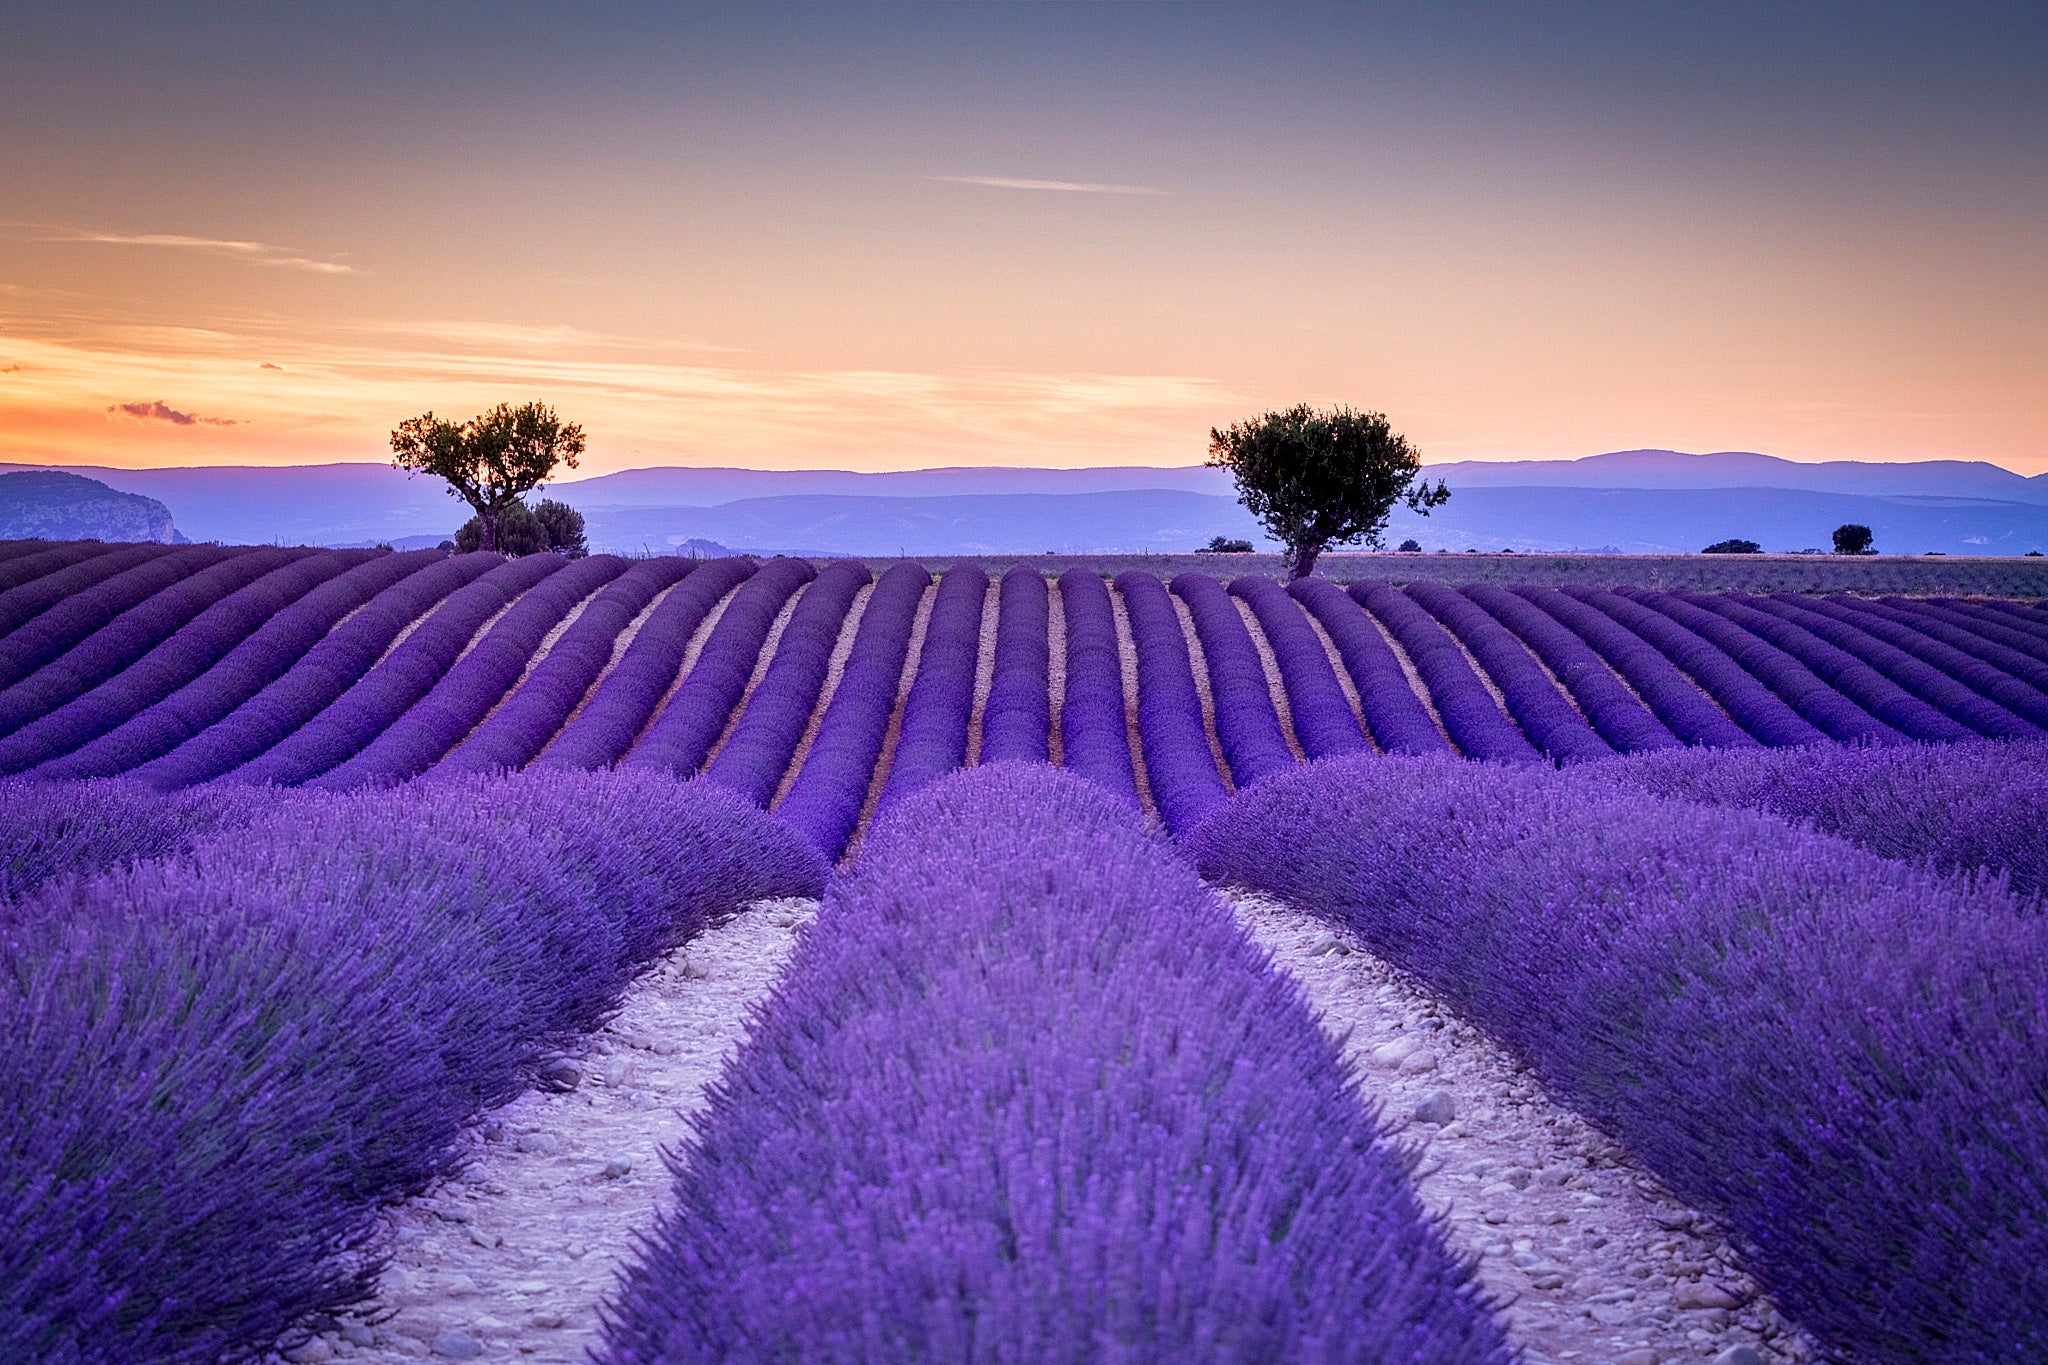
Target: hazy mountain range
{"points": [[1646, 501]]}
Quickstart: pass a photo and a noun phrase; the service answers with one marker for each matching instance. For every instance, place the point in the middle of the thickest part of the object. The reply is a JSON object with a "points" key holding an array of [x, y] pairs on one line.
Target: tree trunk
{"points": [[1304, 559], [486, 529]]}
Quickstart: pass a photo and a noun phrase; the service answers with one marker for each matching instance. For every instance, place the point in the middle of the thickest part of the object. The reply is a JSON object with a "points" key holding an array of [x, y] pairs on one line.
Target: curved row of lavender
{"points": [[626, 697], [1095, 727], [1028, 1092], [221, 1063], [1323, 720], [108, 698], [931, 737], [340, 659], [1977, 806], [521, 727], [824, 801], [1546, 715], [757, 751], [1016, 721], [221, 673], [479, 679], [696, 713], [1474, 720], [82, 639], [1843, 1058], [1180, 767], [1399, 722], [1247, 724], [32, 586]]}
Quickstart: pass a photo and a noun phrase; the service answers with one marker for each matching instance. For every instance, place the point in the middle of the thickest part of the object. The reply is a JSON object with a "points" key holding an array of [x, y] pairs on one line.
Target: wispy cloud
{"points": [[1005, 182], [161, 411], [513, 336], [258, 253]]}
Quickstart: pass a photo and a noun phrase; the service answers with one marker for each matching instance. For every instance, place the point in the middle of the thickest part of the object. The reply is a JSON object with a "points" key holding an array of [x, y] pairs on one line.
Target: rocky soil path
{"points": [[1594, 1261], [512, 1260]]}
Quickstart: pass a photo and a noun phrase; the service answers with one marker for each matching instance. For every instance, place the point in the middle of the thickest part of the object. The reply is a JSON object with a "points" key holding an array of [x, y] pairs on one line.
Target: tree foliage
{"points": [[1733, 547], [1224, 545], [547, 526], [1853, 539], [490, 460], [1318, 478]]}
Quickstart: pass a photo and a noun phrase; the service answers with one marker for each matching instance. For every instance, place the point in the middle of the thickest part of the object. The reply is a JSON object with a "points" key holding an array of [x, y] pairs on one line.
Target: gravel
{"points": [[510, 1260], [1592, 1258]]}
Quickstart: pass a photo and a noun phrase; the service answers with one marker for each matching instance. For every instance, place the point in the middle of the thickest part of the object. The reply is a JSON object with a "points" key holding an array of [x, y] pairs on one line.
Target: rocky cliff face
{"points": [[56, 506]]}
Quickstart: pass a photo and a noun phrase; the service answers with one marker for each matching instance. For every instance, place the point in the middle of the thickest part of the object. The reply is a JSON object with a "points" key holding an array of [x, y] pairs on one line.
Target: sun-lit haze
{"points": [[883, 237]]}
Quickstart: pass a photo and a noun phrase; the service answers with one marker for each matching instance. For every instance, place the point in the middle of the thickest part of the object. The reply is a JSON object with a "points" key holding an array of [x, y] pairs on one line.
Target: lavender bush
{"points": [[478, 681], [384, 693], [1843, 1058], [186, 654], [1747, 701], [696, 715], [1016, 721], [220, 1065], [1546, 716], [32, 585], [529, 718], [80, 615], [61, 829], [931, 741], [1614, 712], [1393, 713], [40, 558], [1676, 700], [1095, 731], [2009, 677], [1469, 711], [1027, 1092], [824, 802], [1180, 767], [757, 752], [1980, 621], [618, 710], [1247, 723], [1825, 708], [1978, 805], [1324, 722], [297, 694], [2028, 615], [1844, 671], [1916, 674]]}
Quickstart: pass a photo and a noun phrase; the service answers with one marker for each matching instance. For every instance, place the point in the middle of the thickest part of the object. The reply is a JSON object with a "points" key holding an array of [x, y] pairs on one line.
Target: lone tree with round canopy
{"points": [[1853, 538], [490, 460], [1318, 479]]}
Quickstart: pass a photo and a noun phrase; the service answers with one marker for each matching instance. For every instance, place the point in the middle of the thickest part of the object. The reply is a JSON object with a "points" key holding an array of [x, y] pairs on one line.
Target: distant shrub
{"points": [[1854, 539], [1733, 547], [1224, 545], [1411, 547]]}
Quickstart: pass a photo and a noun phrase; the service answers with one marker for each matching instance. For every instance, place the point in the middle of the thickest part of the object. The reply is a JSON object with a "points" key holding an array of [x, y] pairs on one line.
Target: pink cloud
{"points": [[161, 411]]}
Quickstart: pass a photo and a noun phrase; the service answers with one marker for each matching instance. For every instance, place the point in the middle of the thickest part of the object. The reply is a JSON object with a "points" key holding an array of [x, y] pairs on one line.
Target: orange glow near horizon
{"points": [[958, 251]]}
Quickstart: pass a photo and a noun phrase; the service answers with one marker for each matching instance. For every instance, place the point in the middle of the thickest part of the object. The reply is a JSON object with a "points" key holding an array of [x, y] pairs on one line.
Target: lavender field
{"points": [[1100, 965]]}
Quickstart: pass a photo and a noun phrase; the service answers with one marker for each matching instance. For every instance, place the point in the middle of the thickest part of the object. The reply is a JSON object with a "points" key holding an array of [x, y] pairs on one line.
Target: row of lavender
{"points": [[1842, 1057], [232, 1037], [344, 669]]}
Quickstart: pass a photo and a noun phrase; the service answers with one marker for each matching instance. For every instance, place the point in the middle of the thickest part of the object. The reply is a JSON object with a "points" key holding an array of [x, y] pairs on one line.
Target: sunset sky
{"points": [[1051, 233]]}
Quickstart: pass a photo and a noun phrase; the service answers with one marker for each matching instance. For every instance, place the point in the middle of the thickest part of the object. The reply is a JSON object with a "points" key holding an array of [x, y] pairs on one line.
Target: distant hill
{"points": [[58, 506], [1649, 500]]}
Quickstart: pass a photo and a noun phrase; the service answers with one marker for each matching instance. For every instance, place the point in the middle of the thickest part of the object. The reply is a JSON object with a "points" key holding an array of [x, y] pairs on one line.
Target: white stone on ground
{"points": [[510, 1260], [1593, 1259]]}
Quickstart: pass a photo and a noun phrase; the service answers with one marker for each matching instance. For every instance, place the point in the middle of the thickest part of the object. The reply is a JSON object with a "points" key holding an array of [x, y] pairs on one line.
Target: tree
{"points": [[1318, 479], [564, 526], [490, 460], [1733, 547], [1852, 539], [1410, 547], [1224, 545], [549, 526]]}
